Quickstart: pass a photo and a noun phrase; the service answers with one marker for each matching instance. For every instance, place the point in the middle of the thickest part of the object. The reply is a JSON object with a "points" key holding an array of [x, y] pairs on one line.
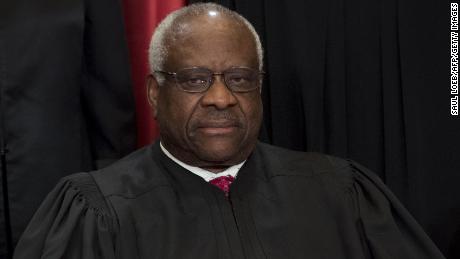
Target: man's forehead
{"points": [[204, 24], [219, 37]]}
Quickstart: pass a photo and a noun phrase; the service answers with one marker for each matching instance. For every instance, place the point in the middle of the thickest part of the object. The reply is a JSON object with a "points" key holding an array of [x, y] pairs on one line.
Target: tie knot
{"points": [[223, 183]]}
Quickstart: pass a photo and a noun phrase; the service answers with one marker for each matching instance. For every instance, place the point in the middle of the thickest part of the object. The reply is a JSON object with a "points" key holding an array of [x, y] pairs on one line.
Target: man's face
{"points": [[217, 128]]}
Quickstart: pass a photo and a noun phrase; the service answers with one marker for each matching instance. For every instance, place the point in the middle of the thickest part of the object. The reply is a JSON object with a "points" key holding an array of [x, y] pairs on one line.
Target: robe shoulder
{"points": [[74, 221], [387, 228], [287, 162], [133, 175], [298, 159]]}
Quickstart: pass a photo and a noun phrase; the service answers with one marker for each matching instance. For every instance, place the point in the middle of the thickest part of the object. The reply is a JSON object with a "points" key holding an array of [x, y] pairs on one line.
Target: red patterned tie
{"points": [[223, 182]]}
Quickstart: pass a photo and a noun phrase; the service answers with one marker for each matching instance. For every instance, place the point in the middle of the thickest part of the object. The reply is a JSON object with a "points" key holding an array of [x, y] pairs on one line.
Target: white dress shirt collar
{"points": [[205, 174]]}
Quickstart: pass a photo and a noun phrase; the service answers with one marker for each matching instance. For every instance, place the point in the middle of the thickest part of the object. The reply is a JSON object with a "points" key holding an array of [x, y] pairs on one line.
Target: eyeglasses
{"points": [[199, 79]]}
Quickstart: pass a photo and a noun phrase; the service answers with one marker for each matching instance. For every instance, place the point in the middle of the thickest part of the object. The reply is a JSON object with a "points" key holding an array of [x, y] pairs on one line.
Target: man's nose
{"points": [[219, 95]]}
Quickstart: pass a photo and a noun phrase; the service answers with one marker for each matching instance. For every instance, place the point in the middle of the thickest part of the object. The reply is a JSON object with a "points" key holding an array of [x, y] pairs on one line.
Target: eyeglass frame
{"points": [[211, 82]]}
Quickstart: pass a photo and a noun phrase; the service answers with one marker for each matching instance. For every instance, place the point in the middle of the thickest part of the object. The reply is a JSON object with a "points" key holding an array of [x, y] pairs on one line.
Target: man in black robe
{"points": [[177, 198]]}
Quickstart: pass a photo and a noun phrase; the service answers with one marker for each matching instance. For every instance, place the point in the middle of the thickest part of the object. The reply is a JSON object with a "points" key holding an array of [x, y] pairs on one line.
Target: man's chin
{"points": [[217, 157], [220, 154]]}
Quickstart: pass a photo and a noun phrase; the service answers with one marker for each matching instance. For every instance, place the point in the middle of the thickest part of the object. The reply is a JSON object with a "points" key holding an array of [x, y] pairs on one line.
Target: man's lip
{"points": [[217, 130], [221, 124]]}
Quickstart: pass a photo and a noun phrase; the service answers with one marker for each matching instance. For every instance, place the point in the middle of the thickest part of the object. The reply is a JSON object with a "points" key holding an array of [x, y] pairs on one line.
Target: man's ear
{"points": [[153, 90]]}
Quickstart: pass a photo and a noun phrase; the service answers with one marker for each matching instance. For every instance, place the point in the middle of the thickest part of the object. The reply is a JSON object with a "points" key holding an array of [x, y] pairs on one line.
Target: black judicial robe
{"points": [[283, 204]]}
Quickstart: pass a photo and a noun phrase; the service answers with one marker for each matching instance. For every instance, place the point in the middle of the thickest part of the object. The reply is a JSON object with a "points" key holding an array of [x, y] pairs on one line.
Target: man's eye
{"points": [[196, 81], [238, 80]]}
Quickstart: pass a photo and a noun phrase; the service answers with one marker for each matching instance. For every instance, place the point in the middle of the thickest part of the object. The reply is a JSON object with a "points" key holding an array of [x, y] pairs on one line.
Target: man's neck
{"points": [[215, 169], [207, 173]]}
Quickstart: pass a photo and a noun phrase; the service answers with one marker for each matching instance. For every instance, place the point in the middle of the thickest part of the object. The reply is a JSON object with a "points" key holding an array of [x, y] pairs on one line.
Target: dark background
{"points": [[367, 80]]}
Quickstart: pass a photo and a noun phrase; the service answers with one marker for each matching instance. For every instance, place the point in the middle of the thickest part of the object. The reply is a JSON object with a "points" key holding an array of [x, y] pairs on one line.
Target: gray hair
{"points": [[158, 50]]}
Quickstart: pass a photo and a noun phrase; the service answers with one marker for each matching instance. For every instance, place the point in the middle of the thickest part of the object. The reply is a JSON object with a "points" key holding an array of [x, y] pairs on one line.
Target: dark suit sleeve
{"points": [[389, 230], [107, 91]]}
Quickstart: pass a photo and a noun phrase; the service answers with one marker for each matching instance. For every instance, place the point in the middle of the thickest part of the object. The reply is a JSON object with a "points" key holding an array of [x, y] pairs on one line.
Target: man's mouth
{"points": [[217, 130], [218, 127]]}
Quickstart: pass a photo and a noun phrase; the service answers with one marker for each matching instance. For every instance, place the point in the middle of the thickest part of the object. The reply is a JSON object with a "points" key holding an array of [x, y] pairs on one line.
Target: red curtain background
{"points": [[141, 18]]}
